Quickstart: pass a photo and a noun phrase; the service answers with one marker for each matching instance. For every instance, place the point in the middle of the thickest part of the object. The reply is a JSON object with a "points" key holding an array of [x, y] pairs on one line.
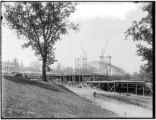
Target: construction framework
{"points": [[117, 85], [104, 82], [80, 65]]}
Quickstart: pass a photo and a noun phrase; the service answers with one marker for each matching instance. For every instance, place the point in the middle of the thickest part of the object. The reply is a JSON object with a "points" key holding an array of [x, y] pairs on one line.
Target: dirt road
{"points": [[124, 109]]}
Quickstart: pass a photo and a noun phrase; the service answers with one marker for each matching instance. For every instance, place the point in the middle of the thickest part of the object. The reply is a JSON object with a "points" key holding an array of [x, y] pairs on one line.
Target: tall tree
{"points": [[42, 24], [142, 32]]}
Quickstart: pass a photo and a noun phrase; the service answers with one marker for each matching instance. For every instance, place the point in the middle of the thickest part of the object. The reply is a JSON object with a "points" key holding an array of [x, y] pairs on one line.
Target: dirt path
{"points": [[119, 107]]}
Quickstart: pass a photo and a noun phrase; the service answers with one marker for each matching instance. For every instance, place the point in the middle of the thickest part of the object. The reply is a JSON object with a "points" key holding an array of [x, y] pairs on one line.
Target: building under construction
{"points": [[102, 74], [98, 74]]}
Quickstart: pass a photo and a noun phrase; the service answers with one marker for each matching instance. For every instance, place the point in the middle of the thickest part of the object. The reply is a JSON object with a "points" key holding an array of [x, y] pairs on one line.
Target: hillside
{"points": [[32, 99]]}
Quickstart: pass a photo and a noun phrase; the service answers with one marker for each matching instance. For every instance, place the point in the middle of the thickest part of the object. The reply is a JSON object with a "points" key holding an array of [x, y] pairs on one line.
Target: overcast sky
{"points": [[99, 22]]}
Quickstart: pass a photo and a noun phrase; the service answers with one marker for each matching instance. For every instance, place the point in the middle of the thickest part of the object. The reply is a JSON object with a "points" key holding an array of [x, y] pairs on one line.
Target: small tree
{"points": [[42, 24], [143, 31]]}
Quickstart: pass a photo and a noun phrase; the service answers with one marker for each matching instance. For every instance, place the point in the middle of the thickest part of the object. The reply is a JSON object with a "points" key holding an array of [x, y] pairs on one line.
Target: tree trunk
{"points": [[44, 71]]}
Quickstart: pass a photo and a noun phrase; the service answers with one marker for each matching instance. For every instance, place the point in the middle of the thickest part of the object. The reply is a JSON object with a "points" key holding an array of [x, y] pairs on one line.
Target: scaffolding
{"points": [[80, 65]]}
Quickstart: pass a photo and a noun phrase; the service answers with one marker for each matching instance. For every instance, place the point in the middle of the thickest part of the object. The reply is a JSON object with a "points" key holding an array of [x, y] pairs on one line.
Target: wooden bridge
{"points": [[127, 86], [105, 82]]}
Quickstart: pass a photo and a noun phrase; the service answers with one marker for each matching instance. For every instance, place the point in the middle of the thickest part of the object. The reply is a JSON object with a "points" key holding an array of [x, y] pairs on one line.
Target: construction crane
{"points": [[84, 52], [104, 57], [103, 52], [84, 60]]}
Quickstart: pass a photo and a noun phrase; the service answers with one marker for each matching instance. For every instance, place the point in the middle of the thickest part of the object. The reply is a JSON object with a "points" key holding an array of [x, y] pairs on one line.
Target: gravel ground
{"points": [[124, 106]]}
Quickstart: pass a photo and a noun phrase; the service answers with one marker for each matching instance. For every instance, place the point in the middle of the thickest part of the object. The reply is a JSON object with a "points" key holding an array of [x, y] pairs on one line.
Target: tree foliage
{"points": [[142, 32], [42, 24]]}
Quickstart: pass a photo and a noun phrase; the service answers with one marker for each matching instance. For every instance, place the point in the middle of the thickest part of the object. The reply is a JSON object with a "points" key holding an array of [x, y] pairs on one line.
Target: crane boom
{"points": [[84, 52], [105, 47]]}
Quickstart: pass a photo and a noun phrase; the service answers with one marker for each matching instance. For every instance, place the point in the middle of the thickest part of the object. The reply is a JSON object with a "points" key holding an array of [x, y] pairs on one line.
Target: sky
{"points": [[99, 22]]}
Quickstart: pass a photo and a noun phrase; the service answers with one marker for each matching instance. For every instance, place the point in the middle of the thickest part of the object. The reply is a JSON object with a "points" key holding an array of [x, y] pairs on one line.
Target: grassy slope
{"points": [[32, 99]]}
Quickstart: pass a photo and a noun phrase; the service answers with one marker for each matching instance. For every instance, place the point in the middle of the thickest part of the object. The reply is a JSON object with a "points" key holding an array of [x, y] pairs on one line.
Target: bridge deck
{"points": [[116, 81], [113, 85]]}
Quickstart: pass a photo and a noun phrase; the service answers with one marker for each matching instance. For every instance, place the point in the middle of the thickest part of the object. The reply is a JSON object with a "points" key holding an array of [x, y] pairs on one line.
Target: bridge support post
{"points": [[143, 90], [107, 87], [127, 88], [136, 89], [114, 87]]}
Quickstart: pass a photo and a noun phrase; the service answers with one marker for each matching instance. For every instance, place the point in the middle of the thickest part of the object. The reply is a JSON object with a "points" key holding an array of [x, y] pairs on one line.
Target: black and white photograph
{"points": [[77, 59]]}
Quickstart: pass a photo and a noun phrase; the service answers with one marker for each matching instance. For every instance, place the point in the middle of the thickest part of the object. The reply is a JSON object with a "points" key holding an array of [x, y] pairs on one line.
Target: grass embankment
{"points": [[34, 99]]}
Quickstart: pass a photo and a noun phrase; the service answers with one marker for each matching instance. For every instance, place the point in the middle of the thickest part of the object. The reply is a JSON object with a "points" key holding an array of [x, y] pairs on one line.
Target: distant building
{"points": [[14, 66], [106, 69], [8, 67]]}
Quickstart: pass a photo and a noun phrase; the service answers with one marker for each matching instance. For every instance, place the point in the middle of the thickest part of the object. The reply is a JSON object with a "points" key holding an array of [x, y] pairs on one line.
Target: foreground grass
{"points": [[32, 99]]}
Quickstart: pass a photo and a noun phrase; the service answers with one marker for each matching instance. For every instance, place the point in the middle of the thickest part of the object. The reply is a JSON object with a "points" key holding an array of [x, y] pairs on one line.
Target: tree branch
{"points": [[38, 40]]}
